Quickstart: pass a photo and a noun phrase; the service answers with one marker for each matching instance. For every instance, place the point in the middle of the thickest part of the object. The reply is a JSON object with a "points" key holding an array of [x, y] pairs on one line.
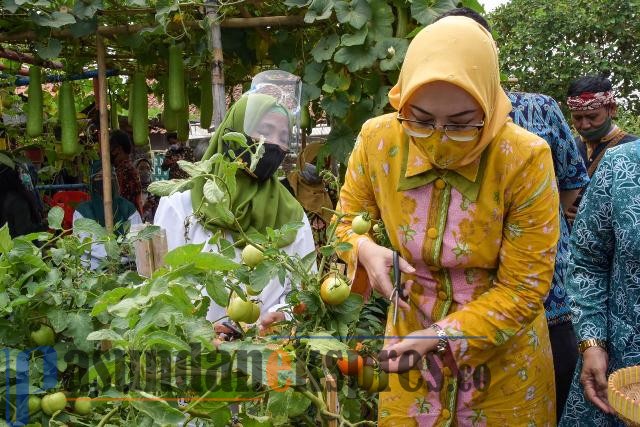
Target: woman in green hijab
{"points": [[259, 202]]}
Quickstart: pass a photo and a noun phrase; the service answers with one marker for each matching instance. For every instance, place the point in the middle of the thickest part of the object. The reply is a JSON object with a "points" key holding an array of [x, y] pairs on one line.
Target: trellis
{"points": [[212, 20]]}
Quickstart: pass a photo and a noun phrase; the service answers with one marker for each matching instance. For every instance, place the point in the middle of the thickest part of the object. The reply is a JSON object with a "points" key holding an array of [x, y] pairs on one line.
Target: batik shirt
{"points": [[604, 279], [541, 115], [483, 240]]}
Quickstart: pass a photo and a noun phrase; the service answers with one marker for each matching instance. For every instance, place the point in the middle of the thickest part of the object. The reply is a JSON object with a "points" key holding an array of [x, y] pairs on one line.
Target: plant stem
{"points": [[107, 417]]}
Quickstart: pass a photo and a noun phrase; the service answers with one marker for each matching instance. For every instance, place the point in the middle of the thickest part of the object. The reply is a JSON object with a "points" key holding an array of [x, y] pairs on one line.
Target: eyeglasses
{"points": [[455, 132]]}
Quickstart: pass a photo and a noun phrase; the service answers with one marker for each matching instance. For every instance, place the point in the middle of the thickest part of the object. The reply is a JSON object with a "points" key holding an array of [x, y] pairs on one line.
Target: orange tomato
{"points": [[350, 365]]}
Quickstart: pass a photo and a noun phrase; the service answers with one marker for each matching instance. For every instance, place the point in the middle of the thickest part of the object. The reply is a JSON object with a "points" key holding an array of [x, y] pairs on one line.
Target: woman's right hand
{"points": [[594, 377], [378, 261]]}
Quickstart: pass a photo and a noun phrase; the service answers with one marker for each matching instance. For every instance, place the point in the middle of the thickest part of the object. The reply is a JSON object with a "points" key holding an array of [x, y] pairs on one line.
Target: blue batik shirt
{"points": [[540, 114]]}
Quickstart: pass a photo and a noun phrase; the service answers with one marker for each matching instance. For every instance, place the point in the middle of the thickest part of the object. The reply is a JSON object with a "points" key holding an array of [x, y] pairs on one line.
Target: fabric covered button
{"points": [[446, 414], [432, 233], [446, 371], [442, 295], [440, 184]]}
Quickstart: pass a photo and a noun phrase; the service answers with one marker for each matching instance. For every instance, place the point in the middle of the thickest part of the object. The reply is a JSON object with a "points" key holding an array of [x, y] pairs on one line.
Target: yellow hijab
{"points": [[459, 51]]}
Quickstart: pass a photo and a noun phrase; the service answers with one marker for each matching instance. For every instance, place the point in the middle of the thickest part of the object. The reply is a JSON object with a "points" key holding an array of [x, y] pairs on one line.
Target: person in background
{"points": [[260, 200], [149, 201], [128, 178], [470, 202], [125, 213], [591, 101], [604, 282], [18, 208], [177, 151], [541, 115]]}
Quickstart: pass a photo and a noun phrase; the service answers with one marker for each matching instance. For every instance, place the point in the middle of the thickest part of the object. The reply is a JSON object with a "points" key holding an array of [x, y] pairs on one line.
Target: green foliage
{"points": [[547, 44], [628, 121]]}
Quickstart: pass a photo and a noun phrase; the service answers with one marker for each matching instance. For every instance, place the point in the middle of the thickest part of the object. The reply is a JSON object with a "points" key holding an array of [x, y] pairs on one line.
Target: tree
{"points": [[546, 44]]}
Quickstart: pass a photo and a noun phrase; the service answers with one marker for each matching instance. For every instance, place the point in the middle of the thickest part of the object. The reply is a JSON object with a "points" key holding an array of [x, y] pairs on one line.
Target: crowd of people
{"points": [[517, 240]]}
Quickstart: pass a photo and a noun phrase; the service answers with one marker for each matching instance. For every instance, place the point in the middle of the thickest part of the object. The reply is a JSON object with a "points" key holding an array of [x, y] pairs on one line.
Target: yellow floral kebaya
{"points": [[481, 237]]}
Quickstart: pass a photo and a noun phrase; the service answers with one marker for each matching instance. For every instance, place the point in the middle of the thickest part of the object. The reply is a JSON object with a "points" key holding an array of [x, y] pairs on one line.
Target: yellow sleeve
{"points": [[356, 196], [525, 270]]}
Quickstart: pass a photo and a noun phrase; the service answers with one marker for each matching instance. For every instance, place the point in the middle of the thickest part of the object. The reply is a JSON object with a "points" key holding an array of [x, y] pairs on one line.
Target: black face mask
{"points": [[267, 165], [269, 162]]}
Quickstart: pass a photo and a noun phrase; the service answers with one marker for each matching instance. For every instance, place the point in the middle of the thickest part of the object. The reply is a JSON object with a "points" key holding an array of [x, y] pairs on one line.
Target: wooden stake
{"points": [[217, 74], [331, 393], [105, 152]]}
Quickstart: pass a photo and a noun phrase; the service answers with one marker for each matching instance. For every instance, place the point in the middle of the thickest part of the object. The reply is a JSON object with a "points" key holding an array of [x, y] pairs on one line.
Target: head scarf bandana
{"points": [[590, 101], [459, 51]]}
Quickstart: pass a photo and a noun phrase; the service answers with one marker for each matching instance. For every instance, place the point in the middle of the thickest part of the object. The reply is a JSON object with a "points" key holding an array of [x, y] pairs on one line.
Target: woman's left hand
{"points": [[404, 355], [270, 318]]}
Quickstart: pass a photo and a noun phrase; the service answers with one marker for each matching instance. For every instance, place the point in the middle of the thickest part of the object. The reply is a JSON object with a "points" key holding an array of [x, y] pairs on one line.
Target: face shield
{"points": [[273, 109]]}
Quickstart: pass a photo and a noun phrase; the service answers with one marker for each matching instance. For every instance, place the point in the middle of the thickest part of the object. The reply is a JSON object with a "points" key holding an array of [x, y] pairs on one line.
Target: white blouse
{"points": [[175, 215]]}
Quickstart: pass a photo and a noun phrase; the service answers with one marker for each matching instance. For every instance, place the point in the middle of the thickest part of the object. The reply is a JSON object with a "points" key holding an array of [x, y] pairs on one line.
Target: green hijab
{"points": [[255, 205], [94, 208]]}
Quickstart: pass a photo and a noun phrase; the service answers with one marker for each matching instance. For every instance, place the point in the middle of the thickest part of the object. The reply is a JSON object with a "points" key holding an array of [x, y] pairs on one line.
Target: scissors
{"points": [[397, 285]]}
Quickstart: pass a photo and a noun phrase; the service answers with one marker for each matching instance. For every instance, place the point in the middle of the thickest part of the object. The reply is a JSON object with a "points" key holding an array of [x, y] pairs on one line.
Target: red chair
{"points": [[68, 200]]}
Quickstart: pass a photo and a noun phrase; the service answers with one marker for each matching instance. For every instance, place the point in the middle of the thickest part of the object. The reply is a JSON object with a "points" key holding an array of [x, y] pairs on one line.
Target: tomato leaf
{"points": [[156, 408], [5, 240], [55, 217]]}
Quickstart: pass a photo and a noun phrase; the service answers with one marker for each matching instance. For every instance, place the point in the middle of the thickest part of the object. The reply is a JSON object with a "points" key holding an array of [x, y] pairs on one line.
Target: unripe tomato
{"points": [[82, 406], [55, 402], [44, 336], [350, 365], [334, 290], [360, 225], [242, 311], [372, 380], [255, 313], [252, 256], [34, 403]]}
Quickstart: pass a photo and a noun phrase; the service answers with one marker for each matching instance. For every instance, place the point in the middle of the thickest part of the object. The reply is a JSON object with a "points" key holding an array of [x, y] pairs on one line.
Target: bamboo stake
{"points": [[105, 152], [217, 73]]}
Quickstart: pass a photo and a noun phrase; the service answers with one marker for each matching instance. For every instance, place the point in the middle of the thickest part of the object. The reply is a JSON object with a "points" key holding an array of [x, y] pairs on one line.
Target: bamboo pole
{"points": [[259, 21], [217, 73], [105, 152], [28, 58]]}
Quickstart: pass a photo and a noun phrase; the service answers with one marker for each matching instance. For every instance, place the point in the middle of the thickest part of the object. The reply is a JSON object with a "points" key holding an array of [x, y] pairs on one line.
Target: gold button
{"points": [[446, 371], [442, 295], [440, 184], [446, 414], [432, 233]]}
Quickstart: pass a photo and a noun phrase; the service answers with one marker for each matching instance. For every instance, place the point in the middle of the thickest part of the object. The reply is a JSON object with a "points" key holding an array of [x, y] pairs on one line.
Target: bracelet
{"points": [[441, 347], [591, 342]]}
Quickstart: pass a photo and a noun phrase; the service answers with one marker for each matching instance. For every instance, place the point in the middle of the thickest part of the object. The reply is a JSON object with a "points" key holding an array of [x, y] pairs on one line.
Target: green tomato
{"points": [[34, 403], [334, 290], [44, 336], [252, 256], [359, 225], [239, 310], [82, 406], [255, 313], [55, 402]]}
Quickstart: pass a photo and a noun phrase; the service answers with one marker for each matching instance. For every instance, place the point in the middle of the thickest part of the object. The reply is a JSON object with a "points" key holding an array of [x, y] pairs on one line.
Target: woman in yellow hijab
{"points": [[470, 203]]}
